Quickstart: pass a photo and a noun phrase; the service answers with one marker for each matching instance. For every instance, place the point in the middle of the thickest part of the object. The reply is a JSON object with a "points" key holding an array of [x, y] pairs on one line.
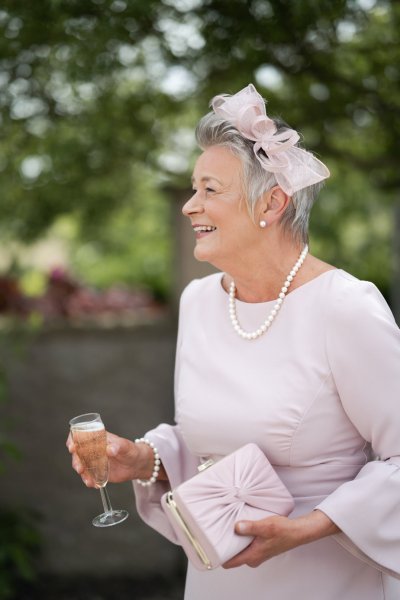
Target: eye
{"points": [[208, 189]]}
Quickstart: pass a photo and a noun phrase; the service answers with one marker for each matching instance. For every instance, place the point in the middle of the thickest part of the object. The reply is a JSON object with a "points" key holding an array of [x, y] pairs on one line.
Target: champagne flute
{"points": [[89, 436]]}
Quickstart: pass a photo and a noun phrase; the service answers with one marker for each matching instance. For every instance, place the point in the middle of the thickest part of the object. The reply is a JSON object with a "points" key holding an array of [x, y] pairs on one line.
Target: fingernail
{"points": [[85, 481], [113, 449], [241, 527]]}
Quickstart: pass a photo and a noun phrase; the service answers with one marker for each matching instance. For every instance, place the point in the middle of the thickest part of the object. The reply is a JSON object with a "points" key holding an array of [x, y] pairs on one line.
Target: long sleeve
{"points": [[177, 461], [179, 465], [363, 348]]}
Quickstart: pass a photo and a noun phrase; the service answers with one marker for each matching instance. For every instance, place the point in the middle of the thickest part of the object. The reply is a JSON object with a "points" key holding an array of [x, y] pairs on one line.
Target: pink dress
{"points": [[320, 394]]}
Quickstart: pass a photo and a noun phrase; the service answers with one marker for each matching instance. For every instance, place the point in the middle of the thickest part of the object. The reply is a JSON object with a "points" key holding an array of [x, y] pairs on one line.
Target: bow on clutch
{"points": [[203, 510], [294, 168]]}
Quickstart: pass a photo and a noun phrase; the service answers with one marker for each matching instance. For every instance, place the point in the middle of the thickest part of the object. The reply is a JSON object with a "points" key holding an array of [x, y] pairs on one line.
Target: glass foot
{"points": [[110, 518]]}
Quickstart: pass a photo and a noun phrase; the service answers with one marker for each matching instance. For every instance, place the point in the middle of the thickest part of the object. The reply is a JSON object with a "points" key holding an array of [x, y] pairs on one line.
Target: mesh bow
{"points": [[293, 167]]}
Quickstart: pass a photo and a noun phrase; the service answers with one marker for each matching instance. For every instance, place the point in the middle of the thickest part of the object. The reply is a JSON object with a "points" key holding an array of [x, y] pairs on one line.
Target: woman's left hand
{"points": [[275, 535]]}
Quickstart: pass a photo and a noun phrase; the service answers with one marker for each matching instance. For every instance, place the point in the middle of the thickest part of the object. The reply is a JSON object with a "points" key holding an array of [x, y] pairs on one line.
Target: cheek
{"points": [[243, 226]]}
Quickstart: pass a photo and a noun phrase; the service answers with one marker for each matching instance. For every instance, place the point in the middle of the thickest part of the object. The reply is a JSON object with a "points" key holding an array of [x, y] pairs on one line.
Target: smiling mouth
{"points": [[204, 229]]}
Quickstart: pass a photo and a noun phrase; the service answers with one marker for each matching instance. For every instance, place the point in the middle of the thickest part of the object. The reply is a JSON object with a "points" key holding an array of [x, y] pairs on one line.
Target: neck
{"points": [[264, 279]]}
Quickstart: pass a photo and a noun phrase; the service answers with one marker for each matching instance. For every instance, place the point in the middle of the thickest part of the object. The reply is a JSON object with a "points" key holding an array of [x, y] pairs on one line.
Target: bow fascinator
{"points": [[293, 167]]}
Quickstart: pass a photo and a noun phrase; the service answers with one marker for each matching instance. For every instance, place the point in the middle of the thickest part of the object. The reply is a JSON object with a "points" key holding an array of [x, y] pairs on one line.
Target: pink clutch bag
{"points": [[203, 510]]}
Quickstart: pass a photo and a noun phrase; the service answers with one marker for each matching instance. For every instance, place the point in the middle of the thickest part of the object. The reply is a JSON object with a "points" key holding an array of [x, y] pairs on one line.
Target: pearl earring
{"points": [[263, 224]]}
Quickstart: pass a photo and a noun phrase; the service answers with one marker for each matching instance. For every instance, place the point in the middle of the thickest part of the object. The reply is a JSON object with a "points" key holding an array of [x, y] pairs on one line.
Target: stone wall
{"points": [[126, 375]]}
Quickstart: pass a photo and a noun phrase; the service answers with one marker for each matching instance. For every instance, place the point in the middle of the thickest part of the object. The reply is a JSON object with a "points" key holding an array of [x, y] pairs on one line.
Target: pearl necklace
{"points": [[268, 321]]}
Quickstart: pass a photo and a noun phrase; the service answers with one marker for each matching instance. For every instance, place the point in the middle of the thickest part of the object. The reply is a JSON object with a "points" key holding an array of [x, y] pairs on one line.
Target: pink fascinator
{"points": [[293, 167]]}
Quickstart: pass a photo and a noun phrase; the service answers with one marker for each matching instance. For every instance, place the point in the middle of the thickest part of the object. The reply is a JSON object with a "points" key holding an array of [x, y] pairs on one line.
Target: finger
{"points": [[111, 437], [252, 556], [77, 465], [113, 449], [70, 444], [246, 528], [88, 481], [113, 444], [120, 447], [243, 558]]}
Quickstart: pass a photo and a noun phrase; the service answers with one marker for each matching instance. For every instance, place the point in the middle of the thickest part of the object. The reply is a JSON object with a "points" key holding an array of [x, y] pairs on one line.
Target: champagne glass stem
{"points": [[106, 500]]}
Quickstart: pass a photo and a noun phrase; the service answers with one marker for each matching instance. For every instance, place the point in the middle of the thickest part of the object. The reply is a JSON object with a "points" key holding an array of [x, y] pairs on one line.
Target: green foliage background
{"points": [[99, 99], [98, 103]]}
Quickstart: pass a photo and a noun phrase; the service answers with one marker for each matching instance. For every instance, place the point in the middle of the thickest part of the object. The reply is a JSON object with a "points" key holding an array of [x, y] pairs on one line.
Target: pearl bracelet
{"points": [[156, 466]]}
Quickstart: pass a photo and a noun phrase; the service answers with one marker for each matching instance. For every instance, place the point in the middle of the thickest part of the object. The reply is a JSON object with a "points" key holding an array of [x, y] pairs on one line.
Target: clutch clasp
{"points": [[205, 465], [182, 524]]}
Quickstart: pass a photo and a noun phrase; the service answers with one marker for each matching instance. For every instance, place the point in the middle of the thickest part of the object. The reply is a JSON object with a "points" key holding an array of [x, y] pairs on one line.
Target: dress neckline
{"points": [[303, 287]]}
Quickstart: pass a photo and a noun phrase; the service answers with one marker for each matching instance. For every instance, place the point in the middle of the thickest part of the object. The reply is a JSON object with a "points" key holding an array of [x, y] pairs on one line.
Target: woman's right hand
{"points": [[127, 460]]}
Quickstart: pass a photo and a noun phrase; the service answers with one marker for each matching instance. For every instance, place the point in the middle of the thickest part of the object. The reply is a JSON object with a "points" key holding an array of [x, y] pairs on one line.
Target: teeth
{"points": [[203, 228]]}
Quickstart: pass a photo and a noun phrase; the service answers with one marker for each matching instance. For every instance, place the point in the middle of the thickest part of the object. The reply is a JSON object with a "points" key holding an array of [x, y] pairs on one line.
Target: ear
{"points": [[273, 204]]}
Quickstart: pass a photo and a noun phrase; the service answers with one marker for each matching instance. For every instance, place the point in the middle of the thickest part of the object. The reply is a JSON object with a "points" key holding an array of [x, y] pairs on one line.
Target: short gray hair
{"points": [[213, 130]]}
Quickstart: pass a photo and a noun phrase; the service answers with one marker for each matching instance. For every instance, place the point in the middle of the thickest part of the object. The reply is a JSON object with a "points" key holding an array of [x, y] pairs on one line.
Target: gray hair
{"points": [[213, 130]]}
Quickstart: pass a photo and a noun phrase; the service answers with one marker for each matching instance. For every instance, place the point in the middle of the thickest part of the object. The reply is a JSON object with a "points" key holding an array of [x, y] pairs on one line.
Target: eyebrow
{"points": [[206, 178]]}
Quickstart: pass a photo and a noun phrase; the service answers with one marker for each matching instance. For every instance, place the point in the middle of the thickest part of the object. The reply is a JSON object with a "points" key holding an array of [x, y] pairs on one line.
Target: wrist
{"points": [[144, 461], [315, 526], [153, 462]]}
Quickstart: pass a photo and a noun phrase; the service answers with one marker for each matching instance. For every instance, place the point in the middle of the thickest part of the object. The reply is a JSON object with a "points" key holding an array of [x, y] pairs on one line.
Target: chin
{"points": [[201, 254], [209, 258]]}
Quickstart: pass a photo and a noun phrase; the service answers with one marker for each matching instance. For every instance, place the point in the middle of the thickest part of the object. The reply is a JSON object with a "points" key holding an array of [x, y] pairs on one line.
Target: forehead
{"points": [[218, 162]]}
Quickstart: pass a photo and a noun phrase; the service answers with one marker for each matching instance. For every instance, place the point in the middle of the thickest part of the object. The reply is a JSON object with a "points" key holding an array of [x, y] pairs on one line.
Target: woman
{"points": [[284, 350]]}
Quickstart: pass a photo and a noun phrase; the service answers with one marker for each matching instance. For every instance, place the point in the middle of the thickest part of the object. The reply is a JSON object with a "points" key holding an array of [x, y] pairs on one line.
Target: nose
{"points": [[193, 206]]}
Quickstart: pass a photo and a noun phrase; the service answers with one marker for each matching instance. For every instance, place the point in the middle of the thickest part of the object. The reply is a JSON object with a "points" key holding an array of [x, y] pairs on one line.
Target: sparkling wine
{"points": [[90, 441]]}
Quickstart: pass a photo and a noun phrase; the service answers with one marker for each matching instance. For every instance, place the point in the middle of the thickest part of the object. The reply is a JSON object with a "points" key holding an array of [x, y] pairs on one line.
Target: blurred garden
{"points": [[98, 104]]}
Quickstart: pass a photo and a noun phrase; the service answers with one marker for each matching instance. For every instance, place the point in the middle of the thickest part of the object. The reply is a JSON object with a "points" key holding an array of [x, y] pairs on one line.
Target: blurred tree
{"points": [[332, 70], [92, 92], [78, 112]]}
